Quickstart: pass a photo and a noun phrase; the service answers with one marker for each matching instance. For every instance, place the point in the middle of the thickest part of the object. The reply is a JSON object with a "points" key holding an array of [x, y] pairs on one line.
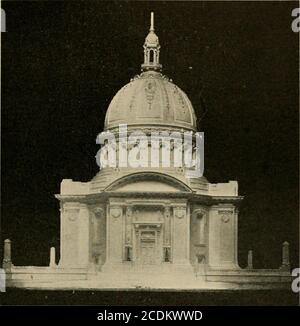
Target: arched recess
{"points": [[151, 56], [153, 177]]}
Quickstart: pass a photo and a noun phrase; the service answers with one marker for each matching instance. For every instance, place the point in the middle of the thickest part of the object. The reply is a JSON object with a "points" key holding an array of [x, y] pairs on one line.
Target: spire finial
{"points": [[151, 49], [152, 22]]}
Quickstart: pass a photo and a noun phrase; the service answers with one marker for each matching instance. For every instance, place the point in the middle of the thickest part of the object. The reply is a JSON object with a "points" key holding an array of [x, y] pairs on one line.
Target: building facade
{"points": [[148, 225]]}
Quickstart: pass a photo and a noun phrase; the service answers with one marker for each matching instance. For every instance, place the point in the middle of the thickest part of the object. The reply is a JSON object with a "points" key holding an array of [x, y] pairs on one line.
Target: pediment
{"points": [[148, 182]]}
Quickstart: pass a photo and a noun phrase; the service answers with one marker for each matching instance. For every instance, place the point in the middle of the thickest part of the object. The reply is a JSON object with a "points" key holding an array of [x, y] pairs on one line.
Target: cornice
{"points": [[192, 197]]}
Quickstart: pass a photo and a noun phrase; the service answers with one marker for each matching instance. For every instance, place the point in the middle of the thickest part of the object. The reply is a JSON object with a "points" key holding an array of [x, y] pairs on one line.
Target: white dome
{"points": [[151, 99]]}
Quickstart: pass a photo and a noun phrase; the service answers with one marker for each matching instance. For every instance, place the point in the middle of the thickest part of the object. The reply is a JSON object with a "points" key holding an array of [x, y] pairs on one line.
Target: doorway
{"points": [[148, 252]]}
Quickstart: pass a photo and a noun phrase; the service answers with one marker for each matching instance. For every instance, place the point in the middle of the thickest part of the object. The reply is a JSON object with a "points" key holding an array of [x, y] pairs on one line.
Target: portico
{"points": [[150, 232]]}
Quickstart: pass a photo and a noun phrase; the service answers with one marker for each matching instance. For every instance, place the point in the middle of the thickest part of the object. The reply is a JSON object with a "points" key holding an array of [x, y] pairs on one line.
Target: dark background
{"points": [[62, 62]]}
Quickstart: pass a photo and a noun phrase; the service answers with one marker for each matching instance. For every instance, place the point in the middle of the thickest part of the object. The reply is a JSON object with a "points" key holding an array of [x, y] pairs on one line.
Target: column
{"points": [[114, 234], [167, 251], [250, 260], [83, 236], [97, 255], [52, 257], [128, 253], [181, 235], [222, 237], [69, 234], [285, 255]]}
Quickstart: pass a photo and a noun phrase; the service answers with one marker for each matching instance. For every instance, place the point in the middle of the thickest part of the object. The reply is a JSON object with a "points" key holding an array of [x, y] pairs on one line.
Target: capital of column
{"points": [[98, 211], [128, 211], [167, 211]]}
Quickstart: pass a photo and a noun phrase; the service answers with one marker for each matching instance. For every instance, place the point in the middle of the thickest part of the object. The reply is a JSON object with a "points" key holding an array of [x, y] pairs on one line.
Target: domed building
{"points": [[149, 225]]}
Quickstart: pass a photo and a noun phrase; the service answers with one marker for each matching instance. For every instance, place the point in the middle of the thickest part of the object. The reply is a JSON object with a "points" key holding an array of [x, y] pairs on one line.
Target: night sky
{"points": [[62, 62]]}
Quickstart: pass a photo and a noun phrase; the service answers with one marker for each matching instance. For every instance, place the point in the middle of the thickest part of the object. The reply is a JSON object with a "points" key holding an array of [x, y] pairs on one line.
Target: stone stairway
{"points": [[154, 277]]}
